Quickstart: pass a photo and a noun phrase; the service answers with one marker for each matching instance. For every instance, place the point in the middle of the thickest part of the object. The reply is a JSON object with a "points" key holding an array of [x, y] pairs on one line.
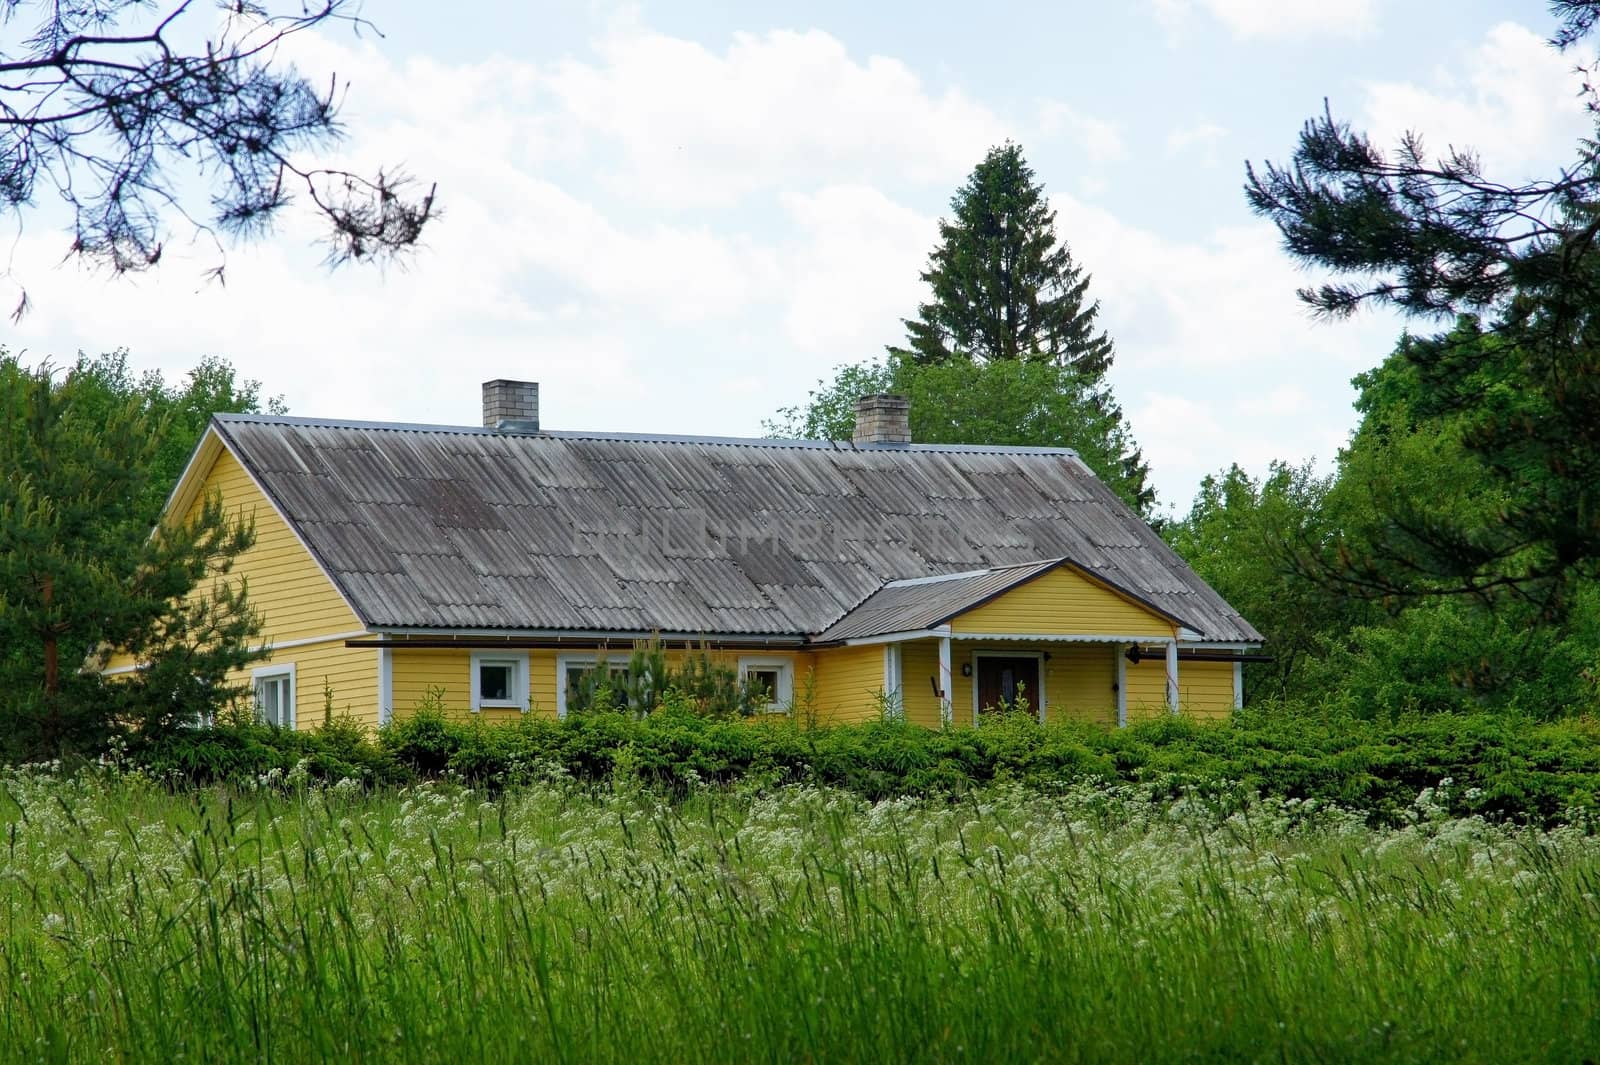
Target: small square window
{"points": [[494, 682], [764, 681], [773, 678], [499, 681], [273, 688], [582, 683]]}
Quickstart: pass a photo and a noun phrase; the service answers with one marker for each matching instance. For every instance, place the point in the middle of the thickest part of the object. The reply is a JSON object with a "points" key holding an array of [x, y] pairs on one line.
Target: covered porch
{"points": [[1043, 636]]}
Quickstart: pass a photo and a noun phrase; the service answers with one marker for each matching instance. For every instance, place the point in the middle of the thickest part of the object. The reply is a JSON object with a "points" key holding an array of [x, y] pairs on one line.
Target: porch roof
{"points": [[922, 603]]}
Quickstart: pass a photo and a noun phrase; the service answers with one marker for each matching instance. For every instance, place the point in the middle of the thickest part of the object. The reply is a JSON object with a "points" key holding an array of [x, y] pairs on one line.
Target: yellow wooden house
{"points": [[498, 563]]}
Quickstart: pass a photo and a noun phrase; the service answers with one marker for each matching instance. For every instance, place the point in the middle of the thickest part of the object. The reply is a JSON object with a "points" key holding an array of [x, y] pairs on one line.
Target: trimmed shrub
{"points": [[1498, 766]]}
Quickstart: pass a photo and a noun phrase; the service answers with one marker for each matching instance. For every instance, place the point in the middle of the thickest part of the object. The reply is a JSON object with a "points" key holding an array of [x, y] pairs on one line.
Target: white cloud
{"points": [[1202, 138], [1512, 98], [855, 272], [692, 127], [1101, 141], [1275, 18]]}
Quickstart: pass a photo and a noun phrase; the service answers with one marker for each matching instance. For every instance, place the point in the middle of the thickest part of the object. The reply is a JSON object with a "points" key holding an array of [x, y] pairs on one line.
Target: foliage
{"points": [[178, 413], [1247, 539], [103, 100], [81, 572], [1515, 386], [1014, 402], [647, 682], [1505, 765], [802, 924], [1008, 351]]}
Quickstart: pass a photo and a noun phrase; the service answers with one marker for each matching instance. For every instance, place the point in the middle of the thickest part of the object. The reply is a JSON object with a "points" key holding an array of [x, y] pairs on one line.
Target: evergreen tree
{"points": [[1519, 376], [1008, 351], [1003, 286], [82, 572]]}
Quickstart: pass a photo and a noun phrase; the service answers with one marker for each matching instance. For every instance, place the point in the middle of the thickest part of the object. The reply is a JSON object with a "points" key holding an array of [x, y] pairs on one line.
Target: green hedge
{"points": [[1500, 767]]}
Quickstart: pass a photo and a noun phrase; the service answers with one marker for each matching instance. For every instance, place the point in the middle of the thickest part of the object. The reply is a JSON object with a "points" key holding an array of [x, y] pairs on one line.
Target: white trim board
{"points": [[385, 686], [783, 697]]}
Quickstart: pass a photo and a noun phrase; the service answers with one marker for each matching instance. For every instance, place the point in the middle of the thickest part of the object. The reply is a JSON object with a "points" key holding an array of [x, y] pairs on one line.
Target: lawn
{"points": [[552, 922]]}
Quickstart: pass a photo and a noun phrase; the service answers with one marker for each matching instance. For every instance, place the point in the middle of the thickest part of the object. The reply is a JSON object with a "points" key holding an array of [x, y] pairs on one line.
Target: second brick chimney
{"points": [[883, 418], [511, 406]]}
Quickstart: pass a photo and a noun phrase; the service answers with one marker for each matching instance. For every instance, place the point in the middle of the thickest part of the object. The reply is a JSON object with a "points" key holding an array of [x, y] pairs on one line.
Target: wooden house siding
{"points": [[1079, 679], [1063, 602], [294, 596], [848, 680], [919, 672], [1205, 689]]}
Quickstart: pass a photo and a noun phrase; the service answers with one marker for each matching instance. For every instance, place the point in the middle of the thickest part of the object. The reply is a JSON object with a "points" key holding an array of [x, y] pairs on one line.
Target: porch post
{"points": [[385, 685], [1172, 676], [944, 679], [1120, 652]]}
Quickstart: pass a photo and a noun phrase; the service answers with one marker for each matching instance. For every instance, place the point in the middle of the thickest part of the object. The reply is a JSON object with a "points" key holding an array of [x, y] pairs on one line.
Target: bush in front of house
{"points": [[1497, 766]]}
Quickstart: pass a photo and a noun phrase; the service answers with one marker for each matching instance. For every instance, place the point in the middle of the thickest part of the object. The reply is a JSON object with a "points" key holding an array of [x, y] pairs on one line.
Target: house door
{"points": [[1003, 680]]}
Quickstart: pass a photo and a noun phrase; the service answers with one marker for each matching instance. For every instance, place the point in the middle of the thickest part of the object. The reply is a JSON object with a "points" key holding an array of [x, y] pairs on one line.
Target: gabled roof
{"points": [[924, 603], [439, 527]]}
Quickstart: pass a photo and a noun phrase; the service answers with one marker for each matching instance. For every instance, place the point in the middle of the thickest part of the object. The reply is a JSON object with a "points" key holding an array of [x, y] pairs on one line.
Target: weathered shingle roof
{"points": [[465, 528], [923, 602]]}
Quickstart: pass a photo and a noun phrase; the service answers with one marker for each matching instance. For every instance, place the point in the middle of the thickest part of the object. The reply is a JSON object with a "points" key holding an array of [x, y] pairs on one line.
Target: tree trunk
{"points": [[52, 665]]}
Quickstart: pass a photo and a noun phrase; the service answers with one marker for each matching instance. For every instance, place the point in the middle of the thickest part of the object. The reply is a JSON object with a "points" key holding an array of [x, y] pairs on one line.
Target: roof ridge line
{"points": [[842, 446]]}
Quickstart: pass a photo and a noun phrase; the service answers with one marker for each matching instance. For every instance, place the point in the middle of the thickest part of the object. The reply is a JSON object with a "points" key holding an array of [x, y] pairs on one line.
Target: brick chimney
{"points": [[882, 418], [511, 406]]}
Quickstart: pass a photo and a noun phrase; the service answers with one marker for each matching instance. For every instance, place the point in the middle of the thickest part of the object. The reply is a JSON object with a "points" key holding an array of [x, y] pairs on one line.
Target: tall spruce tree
{"points": [[1004, 287]]}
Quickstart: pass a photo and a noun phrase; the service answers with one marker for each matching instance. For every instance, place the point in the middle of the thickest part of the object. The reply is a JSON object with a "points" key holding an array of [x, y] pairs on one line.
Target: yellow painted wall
{"points": [[1205, 689], [1078, 683], [1063, 602], [1147, 688], [848, 680], [351, 673], [919, 672], [417, 670], [286, 585], [1077, 680]]}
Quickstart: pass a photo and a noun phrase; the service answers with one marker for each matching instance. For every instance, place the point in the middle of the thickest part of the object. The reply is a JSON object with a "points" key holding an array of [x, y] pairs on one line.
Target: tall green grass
{"points": [[553, 924]]}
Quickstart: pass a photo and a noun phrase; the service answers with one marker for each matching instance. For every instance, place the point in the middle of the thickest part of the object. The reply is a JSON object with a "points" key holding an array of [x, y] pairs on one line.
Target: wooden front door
{"points": [[1004, 680]]}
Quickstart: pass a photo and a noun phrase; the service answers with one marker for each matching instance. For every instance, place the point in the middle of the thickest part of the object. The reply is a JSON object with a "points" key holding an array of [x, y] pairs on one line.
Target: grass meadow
{"points": [[555, 923]]}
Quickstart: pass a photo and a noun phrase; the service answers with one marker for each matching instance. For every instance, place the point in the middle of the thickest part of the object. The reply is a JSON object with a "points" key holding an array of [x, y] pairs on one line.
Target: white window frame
{"points": [[1023, 652], [783, 697], [519, 680], [579, 659], [282, 671], [894, 680]]}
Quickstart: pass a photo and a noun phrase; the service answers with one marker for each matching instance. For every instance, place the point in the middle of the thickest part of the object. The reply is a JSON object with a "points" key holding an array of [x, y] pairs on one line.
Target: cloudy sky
{"points": [[678, 216]]}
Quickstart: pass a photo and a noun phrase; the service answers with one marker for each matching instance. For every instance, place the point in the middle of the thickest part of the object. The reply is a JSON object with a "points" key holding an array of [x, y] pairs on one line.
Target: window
{"points": [[576, 680], [274, 692], [894, 706], [772, 676], [499, 681]]}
